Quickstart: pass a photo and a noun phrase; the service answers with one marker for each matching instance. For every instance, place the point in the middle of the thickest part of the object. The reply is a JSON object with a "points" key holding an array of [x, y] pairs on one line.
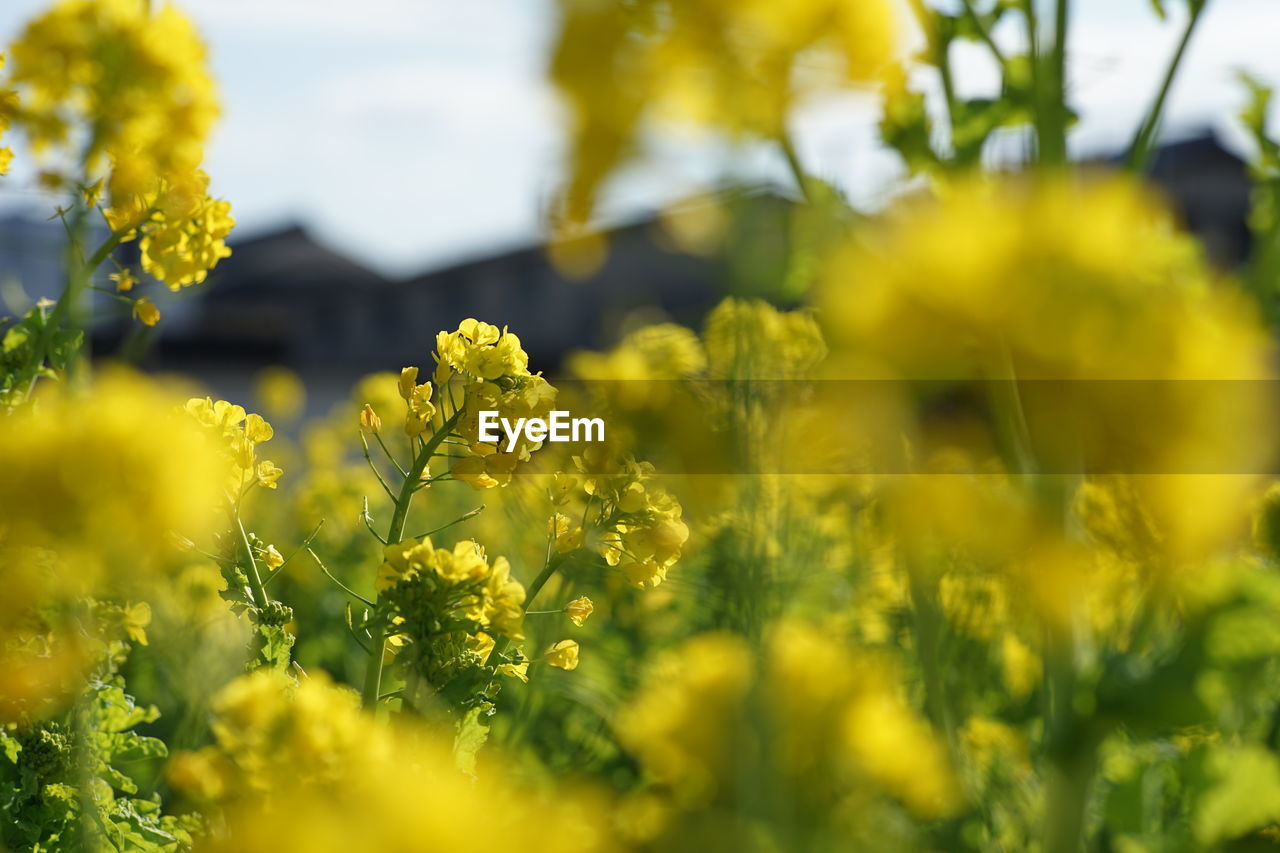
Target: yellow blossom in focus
{"points": [[268, 474], [236, 434], [512, 670], [273, 558], [578, 610], [563, 655], [369, 420]]}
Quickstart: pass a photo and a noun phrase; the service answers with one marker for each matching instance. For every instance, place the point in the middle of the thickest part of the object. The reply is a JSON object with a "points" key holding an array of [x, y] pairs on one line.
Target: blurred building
{"points": [[1208, 186], [282, 298]]}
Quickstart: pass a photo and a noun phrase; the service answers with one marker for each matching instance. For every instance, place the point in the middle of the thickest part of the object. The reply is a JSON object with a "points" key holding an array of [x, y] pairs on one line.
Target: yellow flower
{"points": [[256, 429], [140, 82], [273, 558], [280, 392], [408, 382], [63, 541], [268, 473], [563, 655], [93, 193], [578, 610], [738, 67], [146, 312], [136, 619], [291, 763], [516, 670], [369, 420], [124, 279]]}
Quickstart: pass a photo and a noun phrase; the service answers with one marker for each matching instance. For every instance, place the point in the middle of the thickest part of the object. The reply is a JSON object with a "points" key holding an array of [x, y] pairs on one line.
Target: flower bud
{"points": [[369, 420]]}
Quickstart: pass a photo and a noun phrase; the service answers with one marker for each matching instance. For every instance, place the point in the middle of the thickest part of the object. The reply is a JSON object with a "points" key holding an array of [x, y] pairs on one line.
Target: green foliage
{"points": [[66, 783]]}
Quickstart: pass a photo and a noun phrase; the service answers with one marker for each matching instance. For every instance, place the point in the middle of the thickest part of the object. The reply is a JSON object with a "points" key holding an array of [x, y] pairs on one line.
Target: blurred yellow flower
{"points": [[127, 93], [124, 279], [146, 312], [738, 66]]}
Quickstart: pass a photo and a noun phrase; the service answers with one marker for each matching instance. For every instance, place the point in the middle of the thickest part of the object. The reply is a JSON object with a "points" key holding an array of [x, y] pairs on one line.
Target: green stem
{"points": [[255, 577], [797, 169], [549, 568], [77, 281], [929, 625], [1072, 753], [983, 32], [1144, 140], [395, 534], [540, 581], [1053, 104]]}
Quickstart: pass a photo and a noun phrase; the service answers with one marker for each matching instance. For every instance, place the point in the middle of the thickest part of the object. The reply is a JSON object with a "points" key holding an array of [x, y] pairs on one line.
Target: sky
{"points": [[415, 133]]}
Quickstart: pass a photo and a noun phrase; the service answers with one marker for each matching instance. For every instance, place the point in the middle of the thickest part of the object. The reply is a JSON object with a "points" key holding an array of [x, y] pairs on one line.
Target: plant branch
{"points": [[1144, 139], [395, 534]]}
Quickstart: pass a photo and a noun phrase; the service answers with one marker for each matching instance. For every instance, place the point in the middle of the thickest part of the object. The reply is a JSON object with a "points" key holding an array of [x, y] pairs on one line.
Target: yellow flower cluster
{"points": [[739, 66], [481, 351], [1067, 279], [1126, 351], [124, 434], [485, 595], [127, 92], [236, 434], [183, 229], [641, 530], [663, 351], [835, 723], [494, 372], [563, 655], [61, 541], [750, 339], [300, 767]]}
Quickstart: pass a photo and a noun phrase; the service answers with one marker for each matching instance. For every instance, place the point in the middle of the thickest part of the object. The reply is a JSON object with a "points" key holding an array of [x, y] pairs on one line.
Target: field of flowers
{"points": [[973, 544]]}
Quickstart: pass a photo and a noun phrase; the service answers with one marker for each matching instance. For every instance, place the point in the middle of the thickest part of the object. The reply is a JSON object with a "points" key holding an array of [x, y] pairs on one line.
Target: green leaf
{"points": [[471, 736], [272, 647], [10, 746], [1245, 795]]}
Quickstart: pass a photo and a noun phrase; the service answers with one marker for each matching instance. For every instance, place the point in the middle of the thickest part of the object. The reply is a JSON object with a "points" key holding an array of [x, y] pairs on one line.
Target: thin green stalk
{"points": [[255, 577], [540, 581], [1072, 743], [797, 169], [1053, 104], [391, 456], [1032, 21], [929, 624], [342, 586], [1144, 140], [77, 281], [983, 32], [549, 567], [395, 534], [464, 517], [364, 443]]}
